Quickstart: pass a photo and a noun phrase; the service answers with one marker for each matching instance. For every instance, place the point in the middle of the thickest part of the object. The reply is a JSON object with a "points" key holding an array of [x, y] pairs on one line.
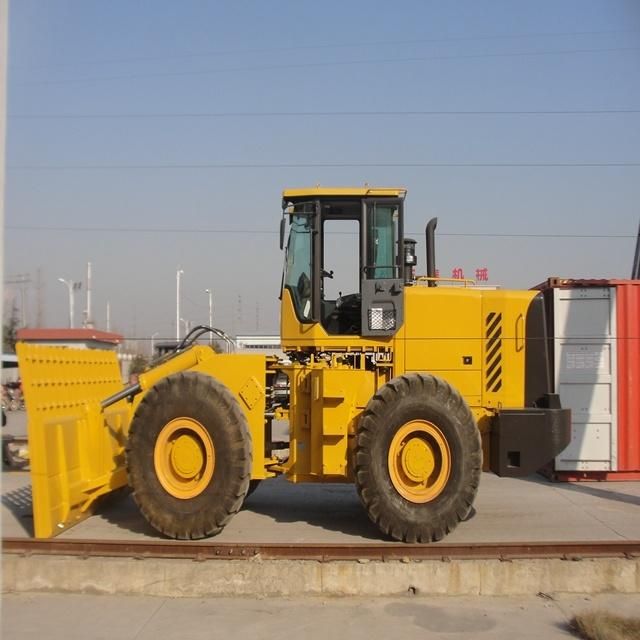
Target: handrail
{"points": [[230, 342], [463, 281]]}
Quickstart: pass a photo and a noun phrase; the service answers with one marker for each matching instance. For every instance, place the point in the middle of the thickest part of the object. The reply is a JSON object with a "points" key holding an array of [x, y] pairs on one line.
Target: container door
{"points": [[586, 375]]}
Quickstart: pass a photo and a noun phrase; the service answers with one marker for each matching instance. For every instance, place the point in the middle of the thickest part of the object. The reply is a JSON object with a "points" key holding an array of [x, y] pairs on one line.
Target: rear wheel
{"points": [[418, 458], [189, 456]]}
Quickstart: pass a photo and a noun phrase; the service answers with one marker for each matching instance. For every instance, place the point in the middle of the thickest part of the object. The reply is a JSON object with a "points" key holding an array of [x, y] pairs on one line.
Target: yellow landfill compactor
{"points": [[397, 383]]}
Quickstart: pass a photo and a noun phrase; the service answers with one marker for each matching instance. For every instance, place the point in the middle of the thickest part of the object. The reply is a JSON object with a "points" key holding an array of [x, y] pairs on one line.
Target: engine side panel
{"points": [[441, 335], [474, 339]]}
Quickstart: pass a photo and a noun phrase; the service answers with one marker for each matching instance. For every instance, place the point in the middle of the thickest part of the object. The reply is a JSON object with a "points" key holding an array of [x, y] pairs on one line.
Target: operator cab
{"points": [[344, 259]]}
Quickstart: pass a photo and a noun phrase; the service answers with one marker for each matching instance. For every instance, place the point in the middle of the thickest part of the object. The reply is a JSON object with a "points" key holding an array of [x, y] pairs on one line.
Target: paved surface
{"points": [[120, 617], [506, 510]]}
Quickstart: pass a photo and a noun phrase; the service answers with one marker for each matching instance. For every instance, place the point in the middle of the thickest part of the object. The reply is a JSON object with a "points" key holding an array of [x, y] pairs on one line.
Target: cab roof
{"points": [[344, 192]]}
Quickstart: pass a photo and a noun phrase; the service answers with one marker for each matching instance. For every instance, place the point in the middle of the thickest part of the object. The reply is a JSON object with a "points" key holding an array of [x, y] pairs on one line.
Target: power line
{"points": [[338, 63], [288, 114], [318, 165], [275, 232], [311, 47]]}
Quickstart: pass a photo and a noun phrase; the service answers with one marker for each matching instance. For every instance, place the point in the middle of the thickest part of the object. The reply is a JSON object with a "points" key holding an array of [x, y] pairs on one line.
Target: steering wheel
{"points": [[304, 286], [304, 293]]}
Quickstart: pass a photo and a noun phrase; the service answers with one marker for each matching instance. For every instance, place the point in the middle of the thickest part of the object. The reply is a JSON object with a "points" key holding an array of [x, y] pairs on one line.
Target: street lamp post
{"points": [[210, 293], [179, 272], [71, 287]]}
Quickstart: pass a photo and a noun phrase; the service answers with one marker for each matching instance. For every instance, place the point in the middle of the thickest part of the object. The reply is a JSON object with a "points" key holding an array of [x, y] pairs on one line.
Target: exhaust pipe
{"points": [[430, 233], [635, 270]]}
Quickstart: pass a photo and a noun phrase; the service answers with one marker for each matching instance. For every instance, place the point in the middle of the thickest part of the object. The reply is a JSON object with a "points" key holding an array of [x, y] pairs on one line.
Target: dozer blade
{"points": [[76, 449]]}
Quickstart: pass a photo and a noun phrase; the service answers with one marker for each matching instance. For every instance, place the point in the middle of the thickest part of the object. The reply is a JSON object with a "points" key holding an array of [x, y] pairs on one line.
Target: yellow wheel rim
{"points": [[419, 461], [184, 458]]}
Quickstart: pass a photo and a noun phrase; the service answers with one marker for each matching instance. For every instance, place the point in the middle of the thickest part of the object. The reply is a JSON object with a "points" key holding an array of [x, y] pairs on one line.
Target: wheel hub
{"points": [[184, 458], [419, 461]]}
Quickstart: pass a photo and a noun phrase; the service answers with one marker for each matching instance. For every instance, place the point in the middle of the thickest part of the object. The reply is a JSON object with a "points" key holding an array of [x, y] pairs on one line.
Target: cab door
{"points": [[382, 280]]}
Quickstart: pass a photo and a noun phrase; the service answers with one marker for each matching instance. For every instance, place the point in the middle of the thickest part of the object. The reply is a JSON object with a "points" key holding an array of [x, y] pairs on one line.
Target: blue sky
{"points": [[121, 114]]}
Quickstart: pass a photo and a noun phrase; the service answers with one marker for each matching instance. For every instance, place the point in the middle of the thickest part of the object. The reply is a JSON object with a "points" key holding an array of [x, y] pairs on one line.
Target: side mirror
{"points": [[282, 225]]}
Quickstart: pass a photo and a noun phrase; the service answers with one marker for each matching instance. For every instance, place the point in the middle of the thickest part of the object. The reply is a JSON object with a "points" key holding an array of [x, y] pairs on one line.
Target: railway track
{"points": [[200, 551]]}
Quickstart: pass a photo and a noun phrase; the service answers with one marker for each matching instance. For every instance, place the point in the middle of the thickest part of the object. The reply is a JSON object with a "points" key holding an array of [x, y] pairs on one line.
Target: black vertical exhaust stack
{"points": [[430, 233], [635, 271]]}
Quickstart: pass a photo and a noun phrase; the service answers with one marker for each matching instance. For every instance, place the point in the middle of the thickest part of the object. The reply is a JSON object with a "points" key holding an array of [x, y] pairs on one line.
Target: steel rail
{"points": [[207, 550]]}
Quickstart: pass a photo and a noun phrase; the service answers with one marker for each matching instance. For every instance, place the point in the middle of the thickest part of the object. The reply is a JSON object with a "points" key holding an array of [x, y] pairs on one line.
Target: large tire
{"points": [[418, 458], [189, 456]]}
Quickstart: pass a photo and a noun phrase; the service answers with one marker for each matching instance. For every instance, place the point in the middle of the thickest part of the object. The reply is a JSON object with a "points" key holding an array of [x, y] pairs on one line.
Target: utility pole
{"points": [[635, 270], [210, 293], [22, 280], [71, 287], [108, 316], [40, 298], [4, 49], [88, 321], [179, 272]]}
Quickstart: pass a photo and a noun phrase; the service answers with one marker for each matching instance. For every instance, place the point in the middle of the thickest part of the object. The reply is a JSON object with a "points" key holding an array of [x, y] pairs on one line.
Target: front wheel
{"points": [[418, 458], [189, 456]]}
